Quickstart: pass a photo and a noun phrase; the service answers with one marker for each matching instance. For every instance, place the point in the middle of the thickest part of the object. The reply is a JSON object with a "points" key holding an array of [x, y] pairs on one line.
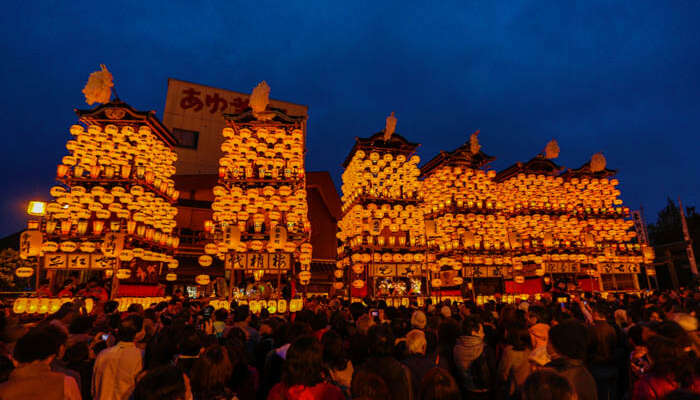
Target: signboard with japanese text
{"points": [[255, 261], [100, 261], [497, 271], [397, 270], [55, 261], [562, 267], [194, 114], [78, 261], [619, 268]]}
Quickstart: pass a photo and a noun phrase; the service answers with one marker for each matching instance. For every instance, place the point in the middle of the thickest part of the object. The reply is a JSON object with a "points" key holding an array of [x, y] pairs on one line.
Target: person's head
{"points": [[162, 383], [304, 363], [130, 329], [110, 307], [369, 386], [416, 343], [471, 326], [418, 319], [518, 336], [364, 322], [547, 385], [438, 384], [446, 311], [76, 353], [36, 345], [59, 337], [381, 340], [568, 339], [191, 344], [211, 370], [621, 318], [242, 314], [333, 353], [665, 355], [135, 308], [220, 315]]}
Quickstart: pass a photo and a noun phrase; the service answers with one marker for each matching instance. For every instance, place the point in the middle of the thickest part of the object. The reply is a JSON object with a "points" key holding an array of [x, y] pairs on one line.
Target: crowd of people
{"points": [[561, 346]]}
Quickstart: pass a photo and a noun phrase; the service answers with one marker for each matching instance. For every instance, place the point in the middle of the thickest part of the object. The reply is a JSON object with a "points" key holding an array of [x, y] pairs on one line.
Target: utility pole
{"points": [[688, 242]]}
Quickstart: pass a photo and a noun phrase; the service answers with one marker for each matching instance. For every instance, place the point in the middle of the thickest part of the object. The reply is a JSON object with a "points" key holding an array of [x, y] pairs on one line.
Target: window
{"points": [[185, 138]]}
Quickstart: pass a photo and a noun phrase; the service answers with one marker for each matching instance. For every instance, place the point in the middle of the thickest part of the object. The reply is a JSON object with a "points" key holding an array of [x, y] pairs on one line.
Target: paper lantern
{"points": [[30, 244], [33, 305], [171, 277], [358, 283], [123, 274], [68, 246], [24, 272], [295, 305], [205, 260], [20, 305], [173, 264], [202, 279]]}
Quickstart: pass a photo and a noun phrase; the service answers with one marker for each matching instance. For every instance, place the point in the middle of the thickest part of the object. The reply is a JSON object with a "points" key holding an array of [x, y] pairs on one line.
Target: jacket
{"points": [[36, 381], [321, 391], [578, 376]]}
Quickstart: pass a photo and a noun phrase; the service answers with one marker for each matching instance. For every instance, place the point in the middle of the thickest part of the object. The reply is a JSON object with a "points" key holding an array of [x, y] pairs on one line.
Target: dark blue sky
{"points": [[617, 77]]}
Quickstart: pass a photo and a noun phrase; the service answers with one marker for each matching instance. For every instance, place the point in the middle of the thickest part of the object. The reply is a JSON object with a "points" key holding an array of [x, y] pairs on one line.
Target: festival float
{"points": [[112, 213], [528, 228], [260, 226], [382, 232]]}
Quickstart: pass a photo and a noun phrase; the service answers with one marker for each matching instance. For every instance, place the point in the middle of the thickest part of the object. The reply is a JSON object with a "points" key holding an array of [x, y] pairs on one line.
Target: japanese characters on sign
{"points": [[78, 261], [496, 271], [394, 270], [619, 268], [257, 261], [562, 267]]}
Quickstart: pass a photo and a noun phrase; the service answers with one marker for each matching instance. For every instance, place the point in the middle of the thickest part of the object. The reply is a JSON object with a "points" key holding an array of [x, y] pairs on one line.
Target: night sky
{"points": [[618, 77]]}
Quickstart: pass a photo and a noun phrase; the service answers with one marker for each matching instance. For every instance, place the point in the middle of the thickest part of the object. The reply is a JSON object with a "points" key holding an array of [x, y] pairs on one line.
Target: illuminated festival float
{"points": [[527, 228], [112, 214], [382, 231], [260, 226], [454, 228]]}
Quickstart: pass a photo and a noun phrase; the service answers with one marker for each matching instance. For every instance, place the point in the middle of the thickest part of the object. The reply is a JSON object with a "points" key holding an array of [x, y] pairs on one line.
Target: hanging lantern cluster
{"points": [[516, 224], [382, 221], [117, 184], [380, 174], [260, 201]]}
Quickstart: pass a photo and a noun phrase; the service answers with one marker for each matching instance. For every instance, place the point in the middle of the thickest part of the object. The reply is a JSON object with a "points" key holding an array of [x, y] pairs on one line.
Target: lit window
{"points": [[185, 138]]}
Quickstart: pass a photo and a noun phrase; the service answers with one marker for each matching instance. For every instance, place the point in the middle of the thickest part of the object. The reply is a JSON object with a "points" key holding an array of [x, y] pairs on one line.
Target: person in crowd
{"points": [[162, 383], [666, 370], [602, 352], [381, 362], [417, 361], [339, 367], [32, 378], [438, 384], [211, 373], [303, 377], [190, 349], [474, 360], [547, 385], [369, 386], [366, 350], [116, 368], [567, 349], [514, 366], [68, 289]]}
